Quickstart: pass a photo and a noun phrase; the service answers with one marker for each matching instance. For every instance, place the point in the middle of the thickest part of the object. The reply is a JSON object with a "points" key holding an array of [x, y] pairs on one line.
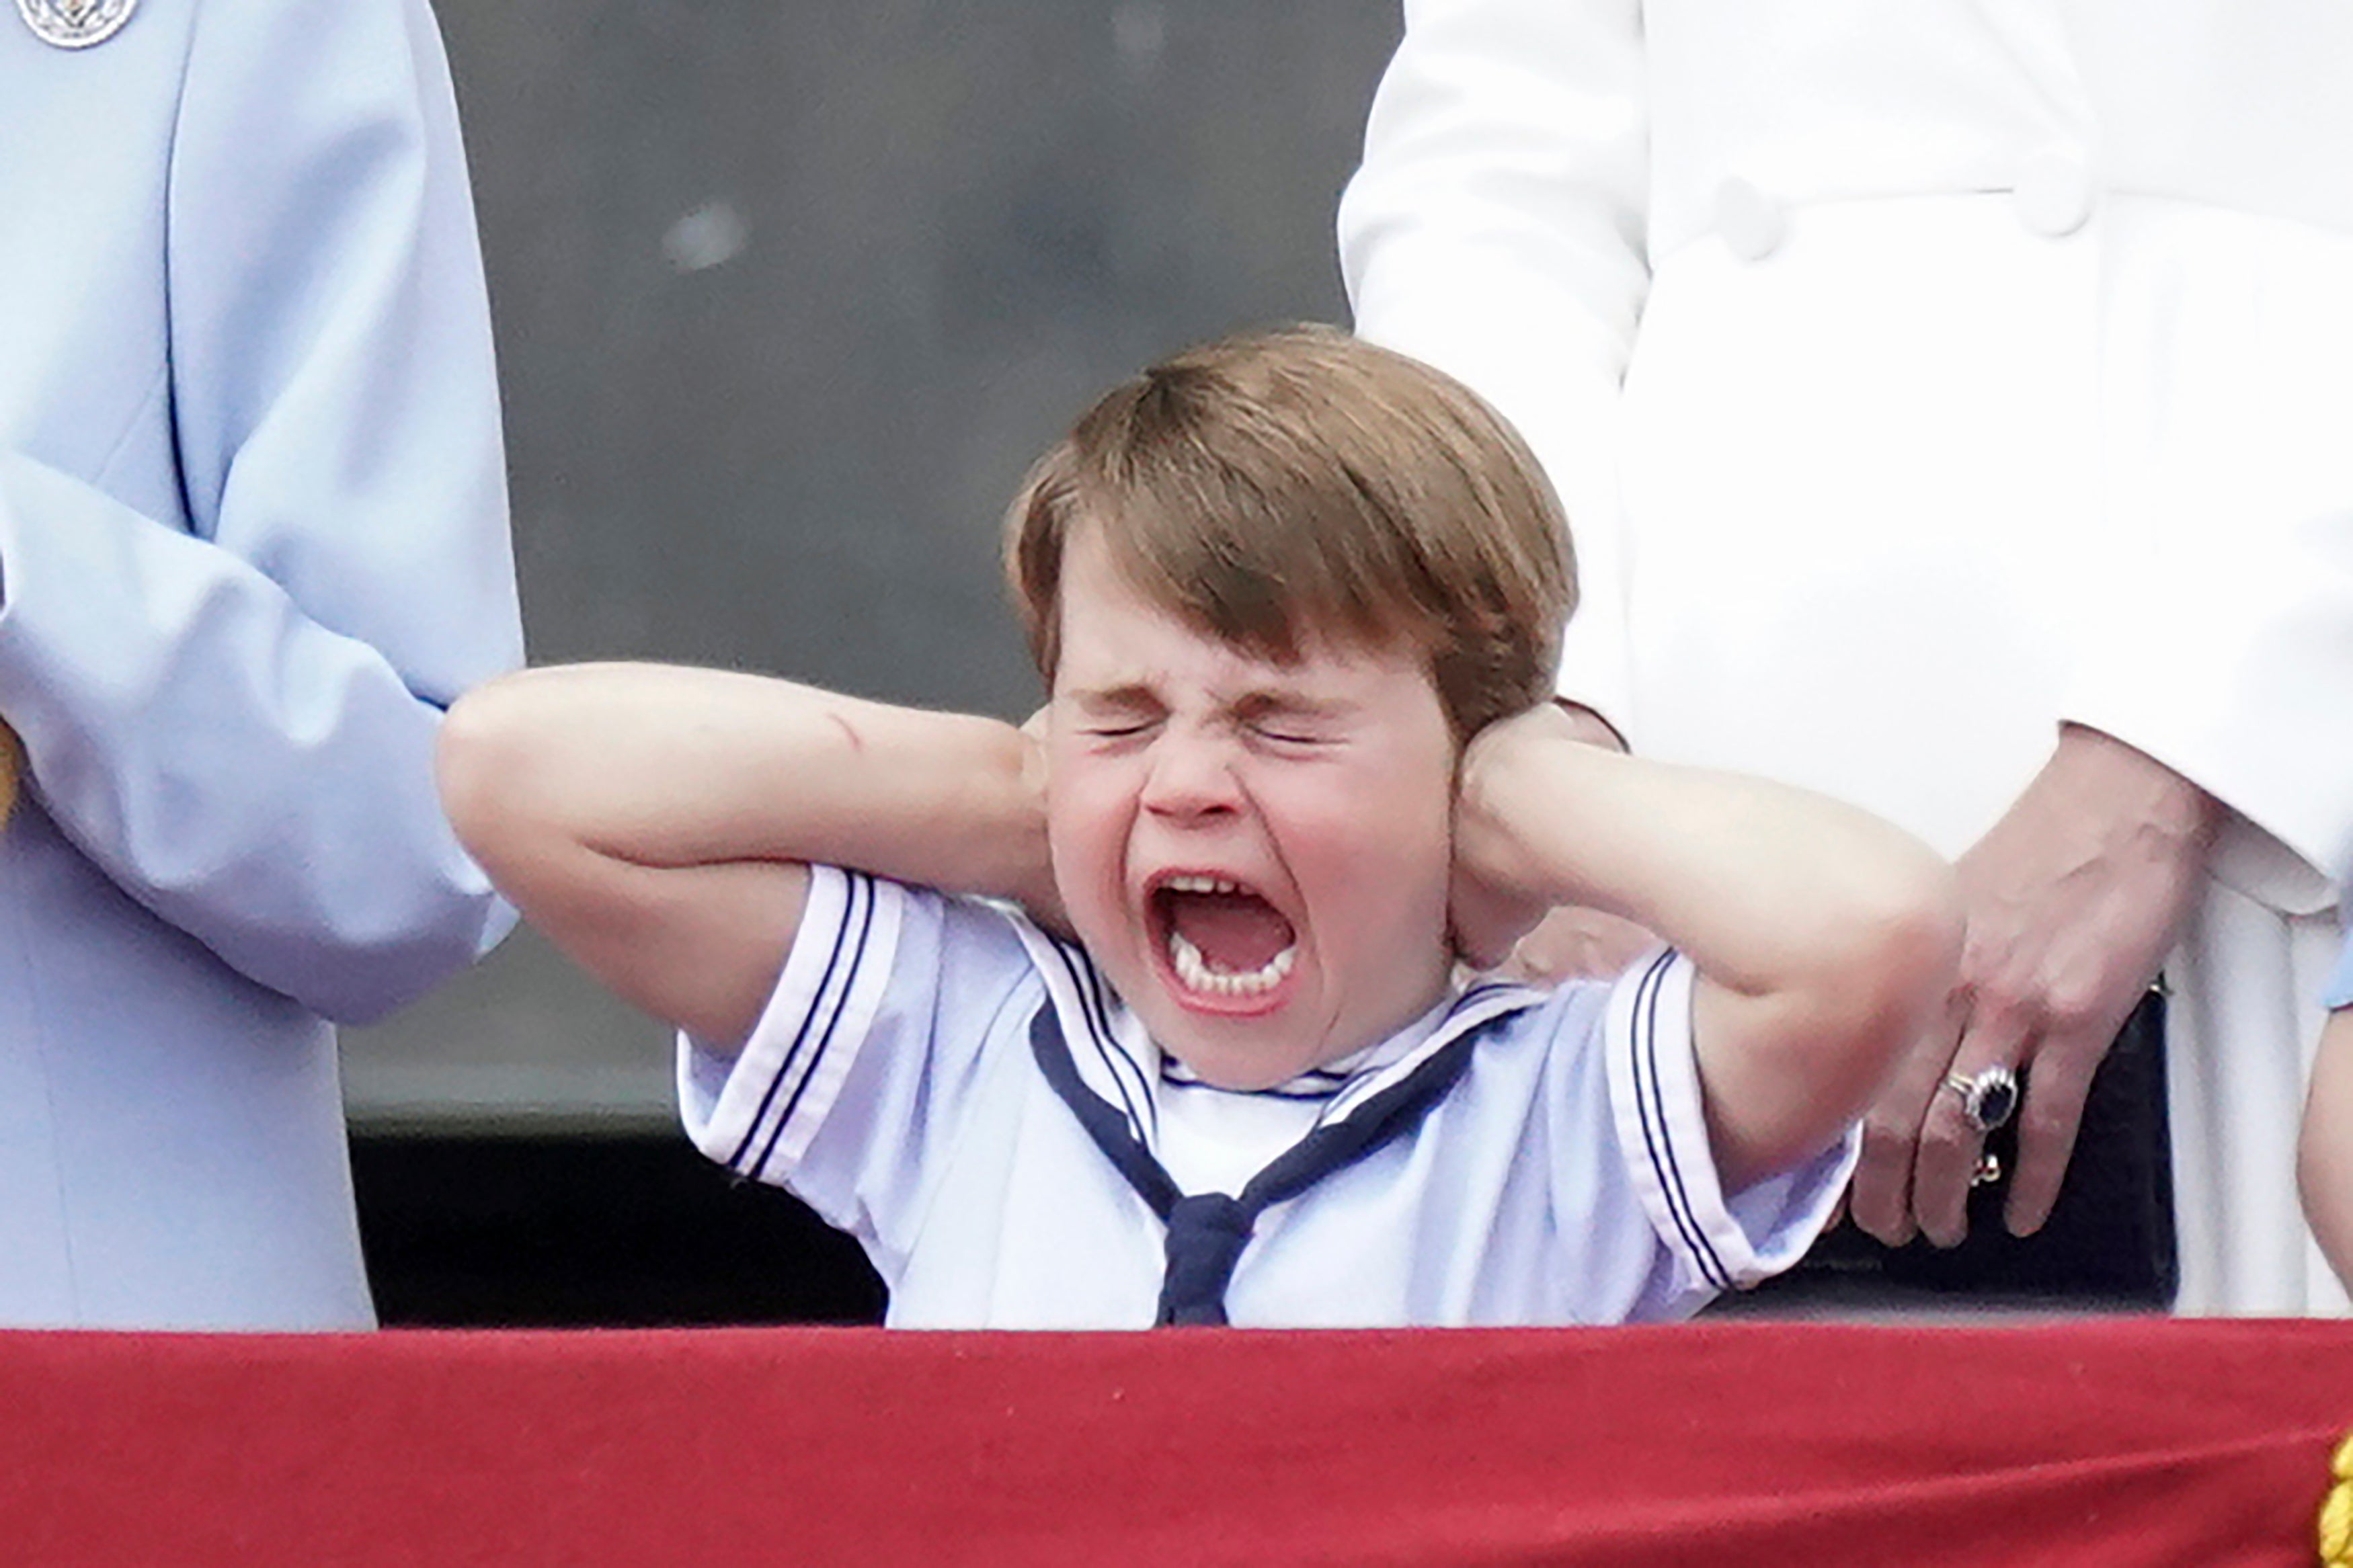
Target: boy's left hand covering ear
{"points": [[1574, 943], [1483, 924], [1485, 916], [1567, 942]]}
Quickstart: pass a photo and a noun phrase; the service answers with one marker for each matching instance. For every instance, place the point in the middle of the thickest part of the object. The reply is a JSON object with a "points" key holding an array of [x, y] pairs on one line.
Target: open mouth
{"points": [[1222, 940]]}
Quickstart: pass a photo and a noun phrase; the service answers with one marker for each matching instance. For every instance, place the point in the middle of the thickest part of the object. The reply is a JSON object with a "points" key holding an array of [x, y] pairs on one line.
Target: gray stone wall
{"points": [[788, 293]]}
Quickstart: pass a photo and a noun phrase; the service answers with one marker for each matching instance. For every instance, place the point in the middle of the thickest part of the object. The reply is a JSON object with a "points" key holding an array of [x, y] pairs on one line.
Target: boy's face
{"points": [[1257, 854]]}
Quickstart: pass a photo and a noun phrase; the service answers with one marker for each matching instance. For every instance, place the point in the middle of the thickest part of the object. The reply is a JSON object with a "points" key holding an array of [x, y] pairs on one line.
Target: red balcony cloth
{"points": [[2091, 1441]]}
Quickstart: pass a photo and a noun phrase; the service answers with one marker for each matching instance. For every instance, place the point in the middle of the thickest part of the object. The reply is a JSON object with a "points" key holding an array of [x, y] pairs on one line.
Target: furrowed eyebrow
{"points": [[1128, 698], [1250, 707], [1290, 705]]}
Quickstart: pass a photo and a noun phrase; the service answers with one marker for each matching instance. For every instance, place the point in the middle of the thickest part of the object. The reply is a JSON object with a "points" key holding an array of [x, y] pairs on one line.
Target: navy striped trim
{"points": [[1307, 1086], [858, 909], [1122, 1066], [1649, 1101], [1126, 1075], [1472, 1009]]}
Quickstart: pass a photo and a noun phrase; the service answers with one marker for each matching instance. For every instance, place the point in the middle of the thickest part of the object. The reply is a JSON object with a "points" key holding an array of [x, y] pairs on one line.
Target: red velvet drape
{"points": [[2111, 1442]]}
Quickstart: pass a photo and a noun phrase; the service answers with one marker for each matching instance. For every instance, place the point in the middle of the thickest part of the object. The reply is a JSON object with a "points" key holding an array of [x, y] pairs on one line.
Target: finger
{"points": [[2048, 1122], [1882, 1188], [1474, 947], [1879, 1197], [1617, 944], [1550, 954], [1486, 956], [1950, 1142], [1484, 927], [1576, 943]]}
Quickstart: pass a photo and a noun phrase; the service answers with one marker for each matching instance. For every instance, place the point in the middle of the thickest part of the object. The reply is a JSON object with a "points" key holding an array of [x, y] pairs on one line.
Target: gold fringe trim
{"points": [[2337, 1510]]}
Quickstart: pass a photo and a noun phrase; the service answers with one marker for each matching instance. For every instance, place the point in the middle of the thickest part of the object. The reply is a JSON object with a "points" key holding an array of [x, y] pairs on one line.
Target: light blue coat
{"points": [[252, 542]]}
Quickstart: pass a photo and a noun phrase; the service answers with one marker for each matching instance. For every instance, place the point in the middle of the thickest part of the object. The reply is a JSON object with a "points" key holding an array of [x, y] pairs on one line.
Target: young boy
{"points": [[1297, 602]]}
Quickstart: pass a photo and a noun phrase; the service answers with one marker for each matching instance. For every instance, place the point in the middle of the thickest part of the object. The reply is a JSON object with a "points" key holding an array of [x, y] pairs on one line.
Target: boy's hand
{"points": [[1486, 923], [1567, 942], [1822, 936], [1042, 896], [1574, 943], [1492, 903]]}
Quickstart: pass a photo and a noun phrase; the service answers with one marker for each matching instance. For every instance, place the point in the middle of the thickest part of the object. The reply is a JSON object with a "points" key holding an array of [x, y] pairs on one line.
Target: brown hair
{"points": [[1278, 486]]}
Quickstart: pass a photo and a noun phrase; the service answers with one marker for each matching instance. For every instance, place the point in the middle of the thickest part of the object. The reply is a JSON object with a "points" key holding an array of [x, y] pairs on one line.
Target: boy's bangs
{"points": [[1286, 490], [1272, 572]]}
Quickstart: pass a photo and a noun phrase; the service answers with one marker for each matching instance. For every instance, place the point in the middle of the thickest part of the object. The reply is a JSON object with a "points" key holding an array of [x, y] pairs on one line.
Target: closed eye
{"points": [[1119, 724], [1291, 735], [1291, 723], [1120, 714]]}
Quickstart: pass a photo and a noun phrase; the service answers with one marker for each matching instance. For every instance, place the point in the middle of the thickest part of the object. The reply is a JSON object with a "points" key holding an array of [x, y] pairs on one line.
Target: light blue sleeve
{"points": [[235, 718], [2340, 984]]}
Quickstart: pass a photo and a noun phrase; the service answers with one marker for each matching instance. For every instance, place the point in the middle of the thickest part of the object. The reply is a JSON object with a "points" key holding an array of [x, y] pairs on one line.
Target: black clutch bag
{"points": [[2109, 1243]]}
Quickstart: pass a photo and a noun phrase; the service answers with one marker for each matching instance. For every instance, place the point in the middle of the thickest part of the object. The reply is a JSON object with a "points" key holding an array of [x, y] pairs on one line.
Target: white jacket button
{"points": [[1750, 223], [2053, 193]]}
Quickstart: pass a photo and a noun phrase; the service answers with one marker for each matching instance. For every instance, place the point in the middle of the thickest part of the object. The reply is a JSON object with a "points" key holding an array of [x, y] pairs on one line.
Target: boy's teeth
{"points": [[1195, 971], [1193, 882]]}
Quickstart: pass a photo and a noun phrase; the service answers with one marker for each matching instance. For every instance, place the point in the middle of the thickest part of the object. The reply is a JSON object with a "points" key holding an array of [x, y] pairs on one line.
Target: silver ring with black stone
{"points": [[1988, 1099]]}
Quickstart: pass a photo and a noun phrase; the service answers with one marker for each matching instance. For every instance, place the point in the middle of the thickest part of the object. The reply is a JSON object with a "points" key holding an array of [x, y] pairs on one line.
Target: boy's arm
{"points": [[1825, 937], [1572, 942], [655, 822]]}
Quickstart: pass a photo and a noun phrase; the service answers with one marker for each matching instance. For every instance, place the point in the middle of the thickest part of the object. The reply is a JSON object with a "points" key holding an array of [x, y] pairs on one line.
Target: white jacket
{"points": [[2166, 185], [1917, 376]]}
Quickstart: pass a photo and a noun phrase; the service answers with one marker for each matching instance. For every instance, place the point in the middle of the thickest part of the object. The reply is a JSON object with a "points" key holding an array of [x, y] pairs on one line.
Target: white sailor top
{"points": [[1565, 1178]]}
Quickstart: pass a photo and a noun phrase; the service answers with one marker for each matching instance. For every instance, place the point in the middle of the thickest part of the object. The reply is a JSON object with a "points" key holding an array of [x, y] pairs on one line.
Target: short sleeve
{"points": [[863, 1069], [1717, 1241]]}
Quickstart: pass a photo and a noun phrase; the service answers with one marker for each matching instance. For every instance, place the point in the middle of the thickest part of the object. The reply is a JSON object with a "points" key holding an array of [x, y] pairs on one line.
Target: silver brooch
{"points": [[75, 24]]}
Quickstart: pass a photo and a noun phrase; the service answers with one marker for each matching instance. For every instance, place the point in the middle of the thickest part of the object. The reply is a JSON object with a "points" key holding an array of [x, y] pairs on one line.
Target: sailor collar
{"points": [[1121, 1063]]}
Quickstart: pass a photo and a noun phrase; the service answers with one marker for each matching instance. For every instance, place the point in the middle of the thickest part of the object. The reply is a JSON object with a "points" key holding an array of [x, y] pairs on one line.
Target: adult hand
{"points": [[2072, 900]]}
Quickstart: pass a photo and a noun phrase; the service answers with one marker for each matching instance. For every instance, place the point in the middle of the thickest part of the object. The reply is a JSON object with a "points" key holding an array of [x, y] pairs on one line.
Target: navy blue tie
{"points": [[1207, 1231]]}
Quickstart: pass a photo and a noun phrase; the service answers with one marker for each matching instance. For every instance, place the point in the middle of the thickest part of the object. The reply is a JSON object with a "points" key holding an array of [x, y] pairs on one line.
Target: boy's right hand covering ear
{"points": [[1043, 899]]}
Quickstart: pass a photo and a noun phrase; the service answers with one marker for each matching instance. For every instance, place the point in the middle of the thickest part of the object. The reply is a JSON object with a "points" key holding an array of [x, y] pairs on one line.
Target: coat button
{"points": [[2053, 195], [1751, 223]]}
